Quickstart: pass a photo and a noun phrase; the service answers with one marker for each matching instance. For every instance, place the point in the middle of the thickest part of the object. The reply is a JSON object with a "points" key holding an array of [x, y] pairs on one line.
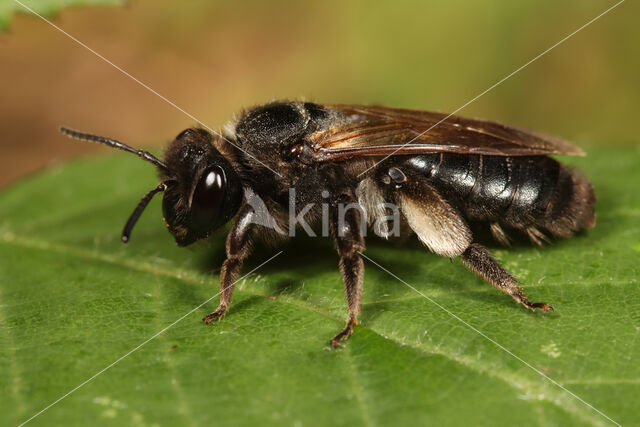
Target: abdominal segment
{"points": [[534, 194]]}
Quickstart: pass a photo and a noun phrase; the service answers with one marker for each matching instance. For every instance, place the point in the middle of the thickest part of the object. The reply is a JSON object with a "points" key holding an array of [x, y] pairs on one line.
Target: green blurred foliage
{"points": [[47, 8]]}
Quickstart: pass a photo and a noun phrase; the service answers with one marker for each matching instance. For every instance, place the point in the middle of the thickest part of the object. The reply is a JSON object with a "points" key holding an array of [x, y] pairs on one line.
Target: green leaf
{"points": [[45, 8], [74, 300]]}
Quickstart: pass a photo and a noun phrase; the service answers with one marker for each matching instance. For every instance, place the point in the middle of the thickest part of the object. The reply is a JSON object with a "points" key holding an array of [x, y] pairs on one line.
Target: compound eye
{"points": [[207, 198]]}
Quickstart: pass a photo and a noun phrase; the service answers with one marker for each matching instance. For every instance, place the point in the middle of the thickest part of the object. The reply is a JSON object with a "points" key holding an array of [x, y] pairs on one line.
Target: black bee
{"points": [[444, 175]]}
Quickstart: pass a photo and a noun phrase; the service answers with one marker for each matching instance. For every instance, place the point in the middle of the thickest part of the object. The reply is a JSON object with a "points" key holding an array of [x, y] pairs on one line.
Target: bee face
{"points": [[203, 190]]}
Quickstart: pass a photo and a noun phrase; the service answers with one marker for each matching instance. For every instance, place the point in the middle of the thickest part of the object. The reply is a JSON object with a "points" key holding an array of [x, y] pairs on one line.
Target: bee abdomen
{"points": [[528, 193], [571, 206]]}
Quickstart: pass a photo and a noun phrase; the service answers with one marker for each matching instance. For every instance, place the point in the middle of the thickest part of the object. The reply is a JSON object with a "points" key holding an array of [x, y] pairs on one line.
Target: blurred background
{"points": [[213, 58]]}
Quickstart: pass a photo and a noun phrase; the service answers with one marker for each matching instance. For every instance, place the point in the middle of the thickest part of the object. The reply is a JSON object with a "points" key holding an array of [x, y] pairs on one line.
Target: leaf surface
{"points": [[74, 299]]}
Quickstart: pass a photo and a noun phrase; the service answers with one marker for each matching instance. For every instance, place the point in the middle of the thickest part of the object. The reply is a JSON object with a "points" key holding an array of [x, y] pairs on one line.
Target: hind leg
{"points": [[478, 259]]}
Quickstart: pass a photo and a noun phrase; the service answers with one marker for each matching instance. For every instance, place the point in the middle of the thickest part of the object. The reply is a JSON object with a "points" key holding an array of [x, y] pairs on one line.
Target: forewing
{"points": [[381, 131]]}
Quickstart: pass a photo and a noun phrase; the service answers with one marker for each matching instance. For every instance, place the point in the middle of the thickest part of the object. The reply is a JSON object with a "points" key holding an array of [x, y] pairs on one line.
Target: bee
{"points": [[447, 176]]}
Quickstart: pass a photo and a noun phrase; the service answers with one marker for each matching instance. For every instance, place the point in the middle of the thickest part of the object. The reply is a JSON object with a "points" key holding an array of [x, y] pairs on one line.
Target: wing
{"points": [[382, 131]]}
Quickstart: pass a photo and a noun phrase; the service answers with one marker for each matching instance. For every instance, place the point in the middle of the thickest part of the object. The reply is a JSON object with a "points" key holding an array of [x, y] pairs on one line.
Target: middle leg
{"points": [[346, 220]]}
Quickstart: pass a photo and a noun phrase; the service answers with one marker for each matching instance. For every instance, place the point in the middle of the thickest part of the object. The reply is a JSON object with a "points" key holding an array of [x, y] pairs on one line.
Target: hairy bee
{"points": [[445, 174]]}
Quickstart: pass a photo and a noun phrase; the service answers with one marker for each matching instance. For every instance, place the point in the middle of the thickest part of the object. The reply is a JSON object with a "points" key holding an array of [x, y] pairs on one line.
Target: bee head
{"points": [[201, 189]]}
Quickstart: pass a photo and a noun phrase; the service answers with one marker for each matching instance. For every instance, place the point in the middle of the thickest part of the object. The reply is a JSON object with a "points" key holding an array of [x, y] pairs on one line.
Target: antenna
{"points": [[126, 232], [144, 155]]}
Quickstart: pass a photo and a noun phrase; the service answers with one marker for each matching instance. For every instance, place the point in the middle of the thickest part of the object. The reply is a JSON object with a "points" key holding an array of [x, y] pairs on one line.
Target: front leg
{"points": [[238, 247], [346, 220]]}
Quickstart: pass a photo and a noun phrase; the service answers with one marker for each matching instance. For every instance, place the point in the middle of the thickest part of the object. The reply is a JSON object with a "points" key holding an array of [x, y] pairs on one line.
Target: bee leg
{"points": [[238, 247], [346, 221], [478, 259]]}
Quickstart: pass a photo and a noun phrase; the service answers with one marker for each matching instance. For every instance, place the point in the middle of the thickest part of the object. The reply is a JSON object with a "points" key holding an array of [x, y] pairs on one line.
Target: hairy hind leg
{"points": [[478, 259]]}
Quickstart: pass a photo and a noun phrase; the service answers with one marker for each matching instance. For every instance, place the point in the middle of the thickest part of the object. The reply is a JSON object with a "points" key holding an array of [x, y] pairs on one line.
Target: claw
{"points": [[335, 342], [531, 305], [212, 317], [345, 334], [543, 306]]}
